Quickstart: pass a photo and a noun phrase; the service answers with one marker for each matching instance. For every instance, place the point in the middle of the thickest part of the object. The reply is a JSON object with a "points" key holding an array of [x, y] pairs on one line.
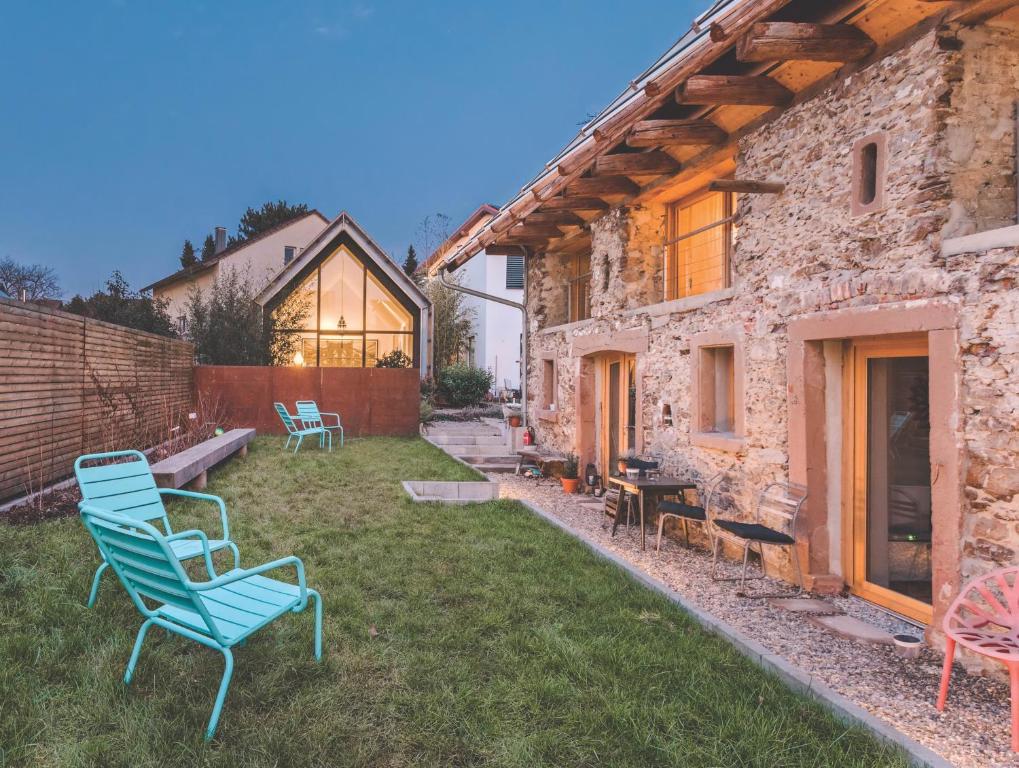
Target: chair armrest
{"points": [[326, 413], [194, 533], [202, 497], [259, 569]]}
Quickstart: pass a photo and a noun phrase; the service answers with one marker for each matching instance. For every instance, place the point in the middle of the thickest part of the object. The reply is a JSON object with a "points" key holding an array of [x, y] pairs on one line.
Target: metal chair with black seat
{"points": [[689, 513], [781, 501]]}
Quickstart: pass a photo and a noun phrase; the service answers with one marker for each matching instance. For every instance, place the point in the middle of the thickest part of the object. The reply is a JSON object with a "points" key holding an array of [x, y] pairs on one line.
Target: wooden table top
{"points": [[652, 484]]}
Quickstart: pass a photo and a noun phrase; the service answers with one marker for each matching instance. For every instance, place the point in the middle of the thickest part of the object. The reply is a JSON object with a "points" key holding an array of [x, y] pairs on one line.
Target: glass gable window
{"points": [[344, 316]]}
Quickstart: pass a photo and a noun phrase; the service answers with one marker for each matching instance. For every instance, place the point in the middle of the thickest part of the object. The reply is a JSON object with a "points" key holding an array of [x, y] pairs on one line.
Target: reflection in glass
{"points": [[342, 293], [381, 344], [342, 352], [899, 476], [383, 312]]}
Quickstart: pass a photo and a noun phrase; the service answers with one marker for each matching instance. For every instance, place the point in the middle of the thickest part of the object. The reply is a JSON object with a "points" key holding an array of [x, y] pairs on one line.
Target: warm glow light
{"points": [[298, 358]]}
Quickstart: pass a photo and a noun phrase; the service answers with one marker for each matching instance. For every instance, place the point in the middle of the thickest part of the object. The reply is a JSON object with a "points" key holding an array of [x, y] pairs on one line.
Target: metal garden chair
{"points": [[128, 488], [778, 501], [290, 422], [310, 416], [219, 613], [984, 618], [689, 513]]}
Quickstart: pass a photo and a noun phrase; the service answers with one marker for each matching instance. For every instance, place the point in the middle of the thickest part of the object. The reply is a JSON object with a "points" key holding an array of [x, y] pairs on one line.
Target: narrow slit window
{"points": [[868, 173], [548, 384]]}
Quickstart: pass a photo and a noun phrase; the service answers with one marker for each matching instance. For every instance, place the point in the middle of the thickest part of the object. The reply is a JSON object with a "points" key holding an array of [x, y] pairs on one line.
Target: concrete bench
{"points": [[192, 465]]}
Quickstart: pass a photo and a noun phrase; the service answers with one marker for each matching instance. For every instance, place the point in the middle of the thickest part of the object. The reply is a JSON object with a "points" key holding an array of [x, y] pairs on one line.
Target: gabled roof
{"points": [[344, 223], [484, 210], [209, 263]]}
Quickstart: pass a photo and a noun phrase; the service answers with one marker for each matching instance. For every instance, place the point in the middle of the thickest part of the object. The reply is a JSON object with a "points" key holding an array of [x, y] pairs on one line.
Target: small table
{"points": [[540, 458], [659, 486]]}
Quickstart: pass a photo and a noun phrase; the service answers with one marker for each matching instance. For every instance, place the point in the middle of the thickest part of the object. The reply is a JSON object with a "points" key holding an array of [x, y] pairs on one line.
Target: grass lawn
{"points": [[499, 641]]}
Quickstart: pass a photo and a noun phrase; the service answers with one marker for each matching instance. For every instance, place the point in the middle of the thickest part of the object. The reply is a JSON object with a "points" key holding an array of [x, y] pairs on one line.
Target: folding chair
{"points": [[781, 501]]}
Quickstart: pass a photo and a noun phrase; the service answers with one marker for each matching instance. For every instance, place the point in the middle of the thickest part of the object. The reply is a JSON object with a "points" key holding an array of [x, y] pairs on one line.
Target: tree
{"points": [[119, 304], [432, 232], [37, 281], [187, 255], [410, 264], [224, 323], [208, 248], [271, 214], [452, 323]]}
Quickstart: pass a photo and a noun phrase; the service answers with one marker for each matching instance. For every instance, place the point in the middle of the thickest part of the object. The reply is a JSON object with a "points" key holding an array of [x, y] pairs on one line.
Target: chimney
{"points": [[220, 239]]}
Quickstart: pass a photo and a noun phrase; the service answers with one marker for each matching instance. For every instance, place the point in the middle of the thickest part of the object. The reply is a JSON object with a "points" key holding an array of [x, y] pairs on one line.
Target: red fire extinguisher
{"points": [[529, 436]]}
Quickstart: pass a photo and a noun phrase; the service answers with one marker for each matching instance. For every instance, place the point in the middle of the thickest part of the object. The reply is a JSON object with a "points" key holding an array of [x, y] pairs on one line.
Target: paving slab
{"points": [[809, 605], [854, 629]]}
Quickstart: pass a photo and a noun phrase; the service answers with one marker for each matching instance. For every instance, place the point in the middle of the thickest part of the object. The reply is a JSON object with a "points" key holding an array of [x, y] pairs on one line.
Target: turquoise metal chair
{"points": [[128, 488], [219, 613], [290, 422], [309, 415]]}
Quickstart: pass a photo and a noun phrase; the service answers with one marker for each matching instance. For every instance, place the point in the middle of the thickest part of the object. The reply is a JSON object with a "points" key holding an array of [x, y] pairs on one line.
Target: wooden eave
{"points": [[575, 172]]}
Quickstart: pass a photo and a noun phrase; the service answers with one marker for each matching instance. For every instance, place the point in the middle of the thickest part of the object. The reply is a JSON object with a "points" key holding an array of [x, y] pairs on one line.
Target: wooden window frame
{"points": [[671, 268], [573, 292], [702, 378]]}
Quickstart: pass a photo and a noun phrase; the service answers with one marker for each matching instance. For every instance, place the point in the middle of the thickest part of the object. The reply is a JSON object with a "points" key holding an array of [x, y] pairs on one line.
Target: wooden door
{"points": [[618, 427], [888, 525]]}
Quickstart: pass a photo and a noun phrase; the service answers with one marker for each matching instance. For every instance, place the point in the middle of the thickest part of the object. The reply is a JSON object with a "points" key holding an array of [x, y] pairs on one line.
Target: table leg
{"points": [[641, 505]]}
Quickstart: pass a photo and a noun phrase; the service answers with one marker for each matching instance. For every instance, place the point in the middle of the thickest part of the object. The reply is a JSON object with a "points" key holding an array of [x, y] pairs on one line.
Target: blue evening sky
{"points": [[129, 126]]}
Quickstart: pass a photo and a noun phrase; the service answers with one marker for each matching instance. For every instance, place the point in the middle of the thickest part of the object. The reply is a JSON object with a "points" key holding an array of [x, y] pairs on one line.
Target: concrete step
{"points": [[476, 450], [476, 460], [451, 440], [496, 468]]}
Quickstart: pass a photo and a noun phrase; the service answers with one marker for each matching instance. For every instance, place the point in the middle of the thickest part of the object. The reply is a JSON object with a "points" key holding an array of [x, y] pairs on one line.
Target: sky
{"points": [[126, 127]]}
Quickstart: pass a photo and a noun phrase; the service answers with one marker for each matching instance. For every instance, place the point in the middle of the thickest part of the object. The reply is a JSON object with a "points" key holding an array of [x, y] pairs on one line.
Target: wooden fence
{"points": [[372, 401], [69, 385]]}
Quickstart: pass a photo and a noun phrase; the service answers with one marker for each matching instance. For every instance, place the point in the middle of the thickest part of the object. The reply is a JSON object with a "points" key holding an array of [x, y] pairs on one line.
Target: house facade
{"points": [[345, 303], [789, 251], [496, 339], [258, 259]]}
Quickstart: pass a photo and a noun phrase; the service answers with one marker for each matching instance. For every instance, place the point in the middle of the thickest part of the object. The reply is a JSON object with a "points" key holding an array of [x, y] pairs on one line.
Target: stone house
{"points": [[789, 250]]}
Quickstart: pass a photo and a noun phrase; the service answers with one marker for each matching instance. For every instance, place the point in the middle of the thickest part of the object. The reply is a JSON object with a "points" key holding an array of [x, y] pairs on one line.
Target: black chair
{"points": [[779, 501], [688, 513]]}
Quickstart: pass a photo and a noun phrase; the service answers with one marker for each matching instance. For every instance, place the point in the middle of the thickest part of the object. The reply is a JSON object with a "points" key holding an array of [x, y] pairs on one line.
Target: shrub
{"points": [[427, 413], [461, 385], [395, 359]]}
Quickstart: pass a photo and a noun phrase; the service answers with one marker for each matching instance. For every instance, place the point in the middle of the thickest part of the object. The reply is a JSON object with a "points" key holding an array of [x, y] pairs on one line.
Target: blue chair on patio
{"points": [[127, 487], [290, 422], [309, 415], [219, 613]]}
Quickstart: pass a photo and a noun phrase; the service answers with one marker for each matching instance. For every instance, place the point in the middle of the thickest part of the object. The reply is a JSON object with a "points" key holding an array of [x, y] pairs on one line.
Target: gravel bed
{"points": [[973, 732]]}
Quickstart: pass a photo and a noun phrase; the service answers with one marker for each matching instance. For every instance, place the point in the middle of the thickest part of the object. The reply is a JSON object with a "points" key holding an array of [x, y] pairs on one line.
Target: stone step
{"points": [[494, 458], [448, 439], [487, 466], [476, 450]]}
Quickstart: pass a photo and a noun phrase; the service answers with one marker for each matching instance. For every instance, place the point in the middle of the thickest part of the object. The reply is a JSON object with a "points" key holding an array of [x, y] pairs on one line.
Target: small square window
{"points": [[718, 390], [716, 412], [289, 251]]}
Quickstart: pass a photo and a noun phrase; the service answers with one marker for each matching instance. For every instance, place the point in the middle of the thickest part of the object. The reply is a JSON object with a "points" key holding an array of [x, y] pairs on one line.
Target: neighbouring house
{"points": [[789, 250], [258, 259], [496, 340], [358, 304]]}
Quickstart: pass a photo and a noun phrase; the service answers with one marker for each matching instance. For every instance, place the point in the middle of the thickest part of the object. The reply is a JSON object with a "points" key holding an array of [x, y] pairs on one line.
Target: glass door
{"points": [[891, 484], [620, 412]]}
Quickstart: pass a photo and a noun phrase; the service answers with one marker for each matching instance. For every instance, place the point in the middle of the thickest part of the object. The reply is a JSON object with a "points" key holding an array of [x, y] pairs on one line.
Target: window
{"points": [[548, 385], [515, 272], [717, 393], [182, 323], [579, 271], [344, 316], [699, 245], [869, 165], [288, 254]]}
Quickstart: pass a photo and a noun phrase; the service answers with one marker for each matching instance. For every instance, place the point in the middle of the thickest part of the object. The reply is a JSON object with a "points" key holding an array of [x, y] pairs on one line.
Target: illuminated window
{"points": [[580, 287], [345, 316], [699, 245]]}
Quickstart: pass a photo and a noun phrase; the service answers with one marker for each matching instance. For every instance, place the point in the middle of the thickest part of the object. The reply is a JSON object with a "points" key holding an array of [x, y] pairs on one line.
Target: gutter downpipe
{"points": [[444, 270]]}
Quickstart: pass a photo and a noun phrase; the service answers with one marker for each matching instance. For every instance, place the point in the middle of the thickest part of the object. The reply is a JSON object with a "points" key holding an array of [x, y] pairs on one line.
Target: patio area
{"points": [[454, 635], [973, 732]]}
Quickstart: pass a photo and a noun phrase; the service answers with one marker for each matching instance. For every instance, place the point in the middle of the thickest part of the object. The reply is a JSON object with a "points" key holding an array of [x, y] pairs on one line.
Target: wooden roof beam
{"points": [[559, 218], [791, 41], [598, 186], [747, 187], [535, 230], [636, 163], [667, 133], [745, 90], [574, 204]]}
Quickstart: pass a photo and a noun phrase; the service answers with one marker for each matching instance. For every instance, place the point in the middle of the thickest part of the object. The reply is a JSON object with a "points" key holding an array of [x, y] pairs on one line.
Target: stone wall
{"points": [[942, 110]]}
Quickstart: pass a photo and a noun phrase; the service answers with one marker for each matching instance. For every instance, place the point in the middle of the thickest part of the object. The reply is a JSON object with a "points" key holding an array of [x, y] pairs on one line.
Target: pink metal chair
{"points": [[985, 619]]}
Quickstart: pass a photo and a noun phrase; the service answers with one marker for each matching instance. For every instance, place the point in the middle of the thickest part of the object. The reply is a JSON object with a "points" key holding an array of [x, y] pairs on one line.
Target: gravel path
{"points": [[973, 732]]}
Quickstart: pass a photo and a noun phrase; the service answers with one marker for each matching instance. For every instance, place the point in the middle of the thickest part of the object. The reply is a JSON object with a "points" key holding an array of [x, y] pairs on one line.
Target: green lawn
{"points": [[500, 642]]}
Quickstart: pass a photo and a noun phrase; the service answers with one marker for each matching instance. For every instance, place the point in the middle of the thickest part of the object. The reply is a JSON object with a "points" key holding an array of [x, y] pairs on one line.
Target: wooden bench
{"points": [[192, 465], [541, 459]]}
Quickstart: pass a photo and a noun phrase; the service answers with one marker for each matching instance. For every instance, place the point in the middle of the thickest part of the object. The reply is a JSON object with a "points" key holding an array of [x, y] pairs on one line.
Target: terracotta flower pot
{"points": [[514, 421], [570, 484]]}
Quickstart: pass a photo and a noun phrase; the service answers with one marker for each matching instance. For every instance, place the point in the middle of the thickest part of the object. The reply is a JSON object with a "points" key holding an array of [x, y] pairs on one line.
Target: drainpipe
{"points": [[499, 300]]}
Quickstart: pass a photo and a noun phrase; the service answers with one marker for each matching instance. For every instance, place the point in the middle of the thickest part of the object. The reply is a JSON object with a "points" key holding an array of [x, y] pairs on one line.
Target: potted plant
{"points": [[514, 420], [571, 473]]}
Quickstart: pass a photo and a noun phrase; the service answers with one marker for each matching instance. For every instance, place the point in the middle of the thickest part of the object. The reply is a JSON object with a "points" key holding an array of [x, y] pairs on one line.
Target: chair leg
{"points": [[799, 569], [287, 446], [946, 673], [297, 447], [743, 573], [714, 558], [1013, 677], [129, 673], [658, 541], [221, 695], [341, 437], [318, 623], [95, 583], [686, 534], [237, 555], [330, 436]]}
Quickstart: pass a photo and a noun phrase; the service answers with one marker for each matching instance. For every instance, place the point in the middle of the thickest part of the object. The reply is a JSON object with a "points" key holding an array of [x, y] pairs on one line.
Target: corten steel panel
{"points": [[371, 401]]}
